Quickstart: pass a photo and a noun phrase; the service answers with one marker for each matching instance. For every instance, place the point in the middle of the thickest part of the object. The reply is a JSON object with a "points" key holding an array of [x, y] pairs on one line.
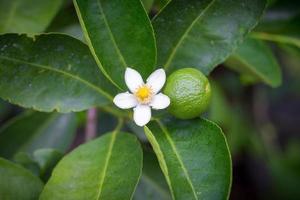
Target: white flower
{"points": [[143, 96]]}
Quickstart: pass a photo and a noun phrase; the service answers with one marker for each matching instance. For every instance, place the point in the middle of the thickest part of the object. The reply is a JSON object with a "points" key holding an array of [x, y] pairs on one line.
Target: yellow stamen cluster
{"points": [[144, 94]]}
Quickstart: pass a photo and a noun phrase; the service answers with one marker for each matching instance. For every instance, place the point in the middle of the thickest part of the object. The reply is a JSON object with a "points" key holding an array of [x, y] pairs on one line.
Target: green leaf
{"points": [[41, 163], [73, 30], [27, 161], [160, 4], [194, 158], [47, 159], [106, 168], [284, 28], [50, 72], [152, 185], [254, 58], [278, 38], [17, 182], [203, 34], [27, 16], [147, 4], [33, 130], [66, 21], [120, 35]]}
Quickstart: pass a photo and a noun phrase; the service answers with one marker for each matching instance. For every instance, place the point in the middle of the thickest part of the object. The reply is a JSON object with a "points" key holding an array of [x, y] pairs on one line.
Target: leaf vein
{"points": [[162, 162], [169, 139], [250, 68], [75, 77], [109, 153], [90, 44], [181, 39], [112, 36]]}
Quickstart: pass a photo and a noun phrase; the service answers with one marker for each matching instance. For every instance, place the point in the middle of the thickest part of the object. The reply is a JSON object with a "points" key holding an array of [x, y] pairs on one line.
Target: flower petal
{"points": [[156, 80], [160, 101], [125, 100], [142, 115], [133, 79]]}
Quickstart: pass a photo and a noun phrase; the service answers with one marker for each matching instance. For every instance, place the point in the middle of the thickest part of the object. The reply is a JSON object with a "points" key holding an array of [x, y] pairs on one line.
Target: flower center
{"points": [[143, 94]]}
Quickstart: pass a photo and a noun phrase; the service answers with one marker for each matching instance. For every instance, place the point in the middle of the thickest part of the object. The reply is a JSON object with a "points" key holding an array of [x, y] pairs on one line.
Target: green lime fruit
{"points": [[189, 92]]}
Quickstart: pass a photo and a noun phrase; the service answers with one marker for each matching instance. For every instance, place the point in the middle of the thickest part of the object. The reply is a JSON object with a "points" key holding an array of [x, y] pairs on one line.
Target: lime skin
{"points": [[189, 91]]}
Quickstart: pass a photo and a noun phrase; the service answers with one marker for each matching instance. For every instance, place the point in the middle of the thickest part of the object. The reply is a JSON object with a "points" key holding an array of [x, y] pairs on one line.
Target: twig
{"points": [[91, 124]]}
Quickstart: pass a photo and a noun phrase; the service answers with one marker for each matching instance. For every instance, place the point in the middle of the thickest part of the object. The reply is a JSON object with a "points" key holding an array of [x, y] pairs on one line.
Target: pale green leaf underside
{"points": [[202, 34], [17, 182], [27, 16], [33, 130], [107, 168], [51, 72], [254, 58], [194, 158], [46, 158]]}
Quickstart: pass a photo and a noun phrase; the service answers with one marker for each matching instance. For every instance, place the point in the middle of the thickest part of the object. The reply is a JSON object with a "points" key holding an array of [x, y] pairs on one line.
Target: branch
{"points": [[91, 124]]}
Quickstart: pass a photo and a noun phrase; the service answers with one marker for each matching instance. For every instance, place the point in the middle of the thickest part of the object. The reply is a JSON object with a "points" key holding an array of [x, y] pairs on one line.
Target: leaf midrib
{"points": [[160, 156], [91, 45], [111, 35], [261, 76], [61, 72], [108, 156], [181, 39], [173, 146]]}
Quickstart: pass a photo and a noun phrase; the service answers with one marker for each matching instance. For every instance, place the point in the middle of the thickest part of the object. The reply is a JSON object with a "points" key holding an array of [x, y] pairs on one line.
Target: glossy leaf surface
{"points": [[27, 16], [33, 130], [203, 34], [194, 158], [254, 58], [152, 185], [17, 182], [120, 35], [50, 72], [106, 168]]}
